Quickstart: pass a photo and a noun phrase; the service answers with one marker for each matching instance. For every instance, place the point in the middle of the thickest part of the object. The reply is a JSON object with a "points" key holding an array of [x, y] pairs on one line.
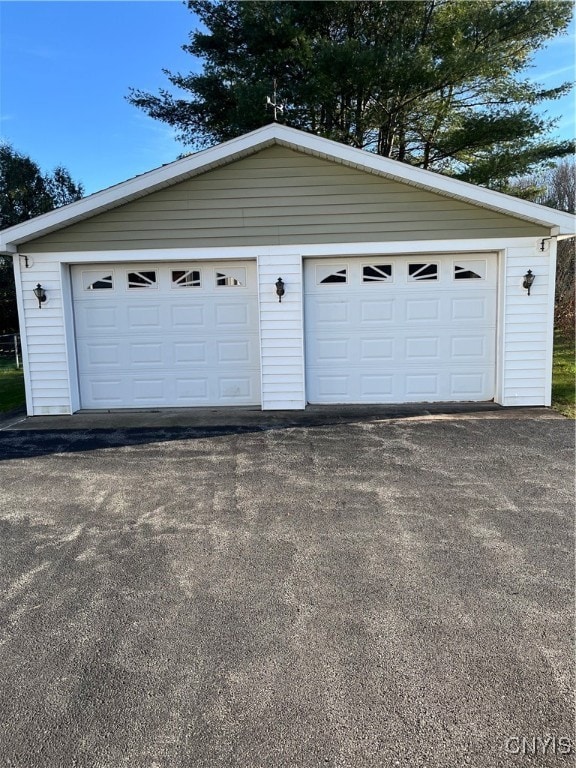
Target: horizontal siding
{"points": [[49, 407], [56, 369], [281, 333], [517, 352], [45, 340], [520, 365], [523, 356], [525, 400], [519, 384], [285, 404], [526, 338], [198, 223], [177, 210], [272, 239], [281, 197], [264, 232], [520, 312]]}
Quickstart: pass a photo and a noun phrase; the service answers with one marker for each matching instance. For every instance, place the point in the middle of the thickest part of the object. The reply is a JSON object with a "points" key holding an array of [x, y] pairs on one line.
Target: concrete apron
{"points": [[253, 418]]}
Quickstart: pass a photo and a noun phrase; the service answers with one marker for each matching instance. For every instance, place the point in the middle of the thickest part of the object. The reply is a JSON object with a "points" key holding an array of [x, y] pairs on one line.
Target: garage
{"points": [[282, 268], [176, 334], [401, 329]]}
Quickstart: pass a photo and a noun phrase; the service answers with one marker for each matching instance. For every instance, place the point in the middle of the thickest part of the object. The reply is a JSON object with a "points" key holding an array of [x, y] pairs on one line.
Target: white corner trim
{"points": [[550, 325], [500, 328], [70, 338], [23, 337]]}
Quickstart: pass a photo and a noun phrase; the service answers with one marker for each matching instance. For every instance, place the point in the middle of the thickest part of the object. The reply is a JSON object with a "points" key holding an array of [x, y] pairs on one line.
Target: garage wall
{"points": [[527, 338], [525, 327], [281, 197], [281, 333], [44, 342]]}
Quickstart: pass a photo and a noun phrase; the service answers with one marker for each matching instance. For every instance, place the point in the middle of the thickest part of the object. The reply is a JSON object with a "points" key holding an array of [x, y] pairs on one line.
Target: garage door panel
{"points": [[144, 318], [230, 315], [148, 390], [96, 319], [422, 310], [330, 313], [233, 351], [376, 311], [330, 350], [423, 386], [235, 388], [103, 392], [191, 391], [184, 317], [376, 350], [330, 385], [376, 387], [468, 385], [399, 386], [422, 348], [146, 354], [195, 344], [106, 355], [186, 353], [402, 340], [469, 308], [469, 347]]}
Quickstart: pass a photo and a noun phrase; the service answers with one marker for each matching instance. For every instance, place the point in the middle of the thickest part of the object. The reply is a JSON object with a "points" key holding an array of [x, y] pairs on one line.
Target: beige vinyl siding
{"points": [[278, 196], [281, 333]]}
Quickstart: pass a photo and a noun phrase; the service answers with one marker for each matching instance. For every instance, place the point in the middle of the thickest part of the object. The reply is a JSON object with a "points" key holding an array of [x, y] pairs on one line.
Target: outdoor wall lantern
{"points": [[528, 280], [40, 294], [280, 288]]}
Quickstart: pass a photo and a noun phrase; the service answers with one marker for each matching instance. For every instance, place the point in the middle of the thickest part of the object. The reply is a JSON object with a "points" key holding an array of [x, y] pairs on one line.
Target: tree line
{"points": [[25, 192]]}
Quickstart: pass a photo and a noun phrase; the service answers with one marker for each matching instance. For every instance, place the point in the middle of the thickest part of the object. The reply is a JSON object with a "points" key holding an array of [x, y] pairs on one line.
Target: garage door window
{"points": [[376, 273], [423, 271], [182, 278], [142, 279], [97, 281], [232, 277], [470, 270], [331, 274]]}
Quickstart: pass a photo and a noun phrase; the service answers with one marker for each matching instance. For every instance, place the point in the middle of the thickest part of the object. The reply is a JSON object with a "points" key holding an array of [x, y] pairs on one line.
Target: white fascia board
{"points": [[229, 151]]}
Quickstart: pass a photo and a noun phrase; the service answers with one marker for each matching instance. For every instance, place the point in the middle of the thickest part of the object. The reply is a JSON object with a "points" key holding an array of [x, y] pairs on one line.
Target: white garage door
{"points": [[167, 335], [399, 329]]}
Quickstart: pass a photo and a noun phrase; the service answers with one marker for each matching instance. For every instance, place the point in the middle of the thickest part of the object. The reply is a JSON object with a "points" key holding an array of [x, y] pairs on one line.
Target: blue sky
{"points": [[66, 67]]}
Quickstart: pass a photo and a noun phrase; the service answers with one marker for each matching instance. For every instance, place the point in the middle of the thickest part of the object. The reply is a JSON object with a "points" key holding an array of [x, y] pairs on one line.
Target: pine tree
{"points": [[436, 83]]}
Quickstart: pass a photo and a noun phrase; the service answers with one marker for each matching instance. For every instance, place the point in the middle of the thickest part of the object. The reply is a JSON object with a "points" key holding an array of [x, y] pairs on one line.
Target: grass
{"points": [[11, 386], [563, 380], [564, 375]]}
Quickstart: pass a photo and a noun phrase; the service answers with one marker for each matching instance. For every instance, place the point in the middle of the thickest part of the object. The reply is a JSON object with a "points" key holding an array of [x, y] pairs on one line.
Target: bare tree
{"points": [[560, 193]]}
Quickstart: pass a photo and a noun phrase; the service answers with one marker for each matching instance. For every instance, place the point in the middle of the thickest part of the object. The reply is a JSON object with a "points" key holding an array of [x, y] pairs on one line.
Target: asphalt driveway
{"points": [[394, 592]]}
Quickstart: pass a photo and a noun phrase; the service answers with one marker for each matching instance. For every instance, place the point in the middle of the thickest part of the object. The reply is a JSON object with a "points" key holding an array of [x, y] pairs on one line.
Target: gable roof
{"points": [[560, 223]]}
